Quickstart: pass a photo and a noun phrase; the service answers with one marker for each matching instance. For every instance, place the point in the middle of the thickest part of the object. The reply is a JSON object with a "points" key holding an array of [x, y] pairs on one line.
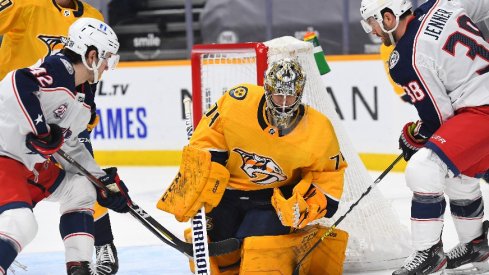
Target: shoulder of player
{"points": [[320, 120], [61, 70], [89, 11], [244, 92]]}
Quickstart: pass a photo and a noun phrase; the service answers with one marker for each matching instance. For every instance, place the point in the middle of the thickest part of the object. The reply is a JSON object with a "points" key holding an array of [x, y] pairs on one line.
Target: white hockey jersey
{"points": [[442, 62], [32, 98]]}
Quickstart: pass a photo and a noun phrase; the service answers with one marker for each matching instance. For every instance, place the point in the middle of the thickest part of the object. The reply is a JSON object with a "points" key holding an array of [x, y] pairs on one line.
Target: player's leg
{"points": [[467, 208], [76, 196], [18, 225], [105, 250], [222, 223], [425, 176], [107, 261]]}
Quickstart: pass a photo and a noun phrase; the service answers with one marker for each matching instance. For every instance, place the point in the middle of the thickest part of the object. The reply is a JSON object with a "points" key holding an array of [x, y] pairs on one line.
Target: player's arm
{"points": [[320, 189], [203, 176], [41, 138], [477, 10]]}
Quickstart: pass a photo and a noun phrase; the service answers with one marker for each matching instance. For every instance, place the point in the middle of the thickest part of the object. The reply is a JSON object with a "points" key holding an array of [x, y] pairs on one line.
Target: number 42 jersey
{"points": [[442, 62]]}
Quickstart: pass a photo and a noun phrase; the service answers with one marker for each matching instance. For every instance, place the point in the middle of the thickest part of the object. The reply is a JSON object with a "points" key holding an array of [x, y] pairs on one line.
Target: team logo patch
{"points": [[66, 13], [60, 111], [393, 59], [239, 92], [261, 170], [5, 4]]}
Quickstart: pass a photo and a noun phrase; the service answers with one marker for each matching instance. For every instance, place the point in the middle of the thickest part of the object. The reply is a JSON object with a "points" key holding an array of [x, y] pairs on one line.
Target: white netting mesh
{"points": [[377, 239]]}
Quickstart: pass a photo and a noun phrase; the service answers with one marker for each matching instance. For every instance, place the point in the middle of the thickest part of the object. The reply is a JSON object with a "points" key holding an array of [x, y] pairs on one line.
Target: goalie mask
{"points": [[86, 32], [284, 85]]}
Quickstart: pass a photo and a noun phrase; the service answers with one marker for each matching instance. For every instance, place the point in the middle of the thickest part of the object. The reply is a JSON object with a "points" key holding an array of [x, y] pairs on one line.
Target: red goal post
{"points": [[198, 57]]}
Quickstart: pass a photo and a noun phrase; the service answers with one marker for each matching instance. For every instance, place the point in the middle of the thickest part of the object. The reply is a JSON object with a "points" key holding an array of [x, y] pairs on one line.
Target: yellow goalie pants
{"points": [[99, 211]]}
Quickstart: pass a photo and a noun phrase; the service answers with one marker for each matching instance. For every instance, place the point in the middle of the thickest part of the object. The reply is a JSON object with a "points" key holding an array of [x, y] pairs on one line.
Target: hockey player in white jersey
{"points": [[41, 113], [441, 61]]}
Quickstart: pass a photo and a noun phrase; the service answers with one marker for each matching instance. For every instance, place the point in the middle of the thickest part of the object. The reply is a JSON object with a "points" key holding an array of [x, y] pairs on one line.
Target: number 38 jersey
{"points": [[260, 155], [442, 62]]}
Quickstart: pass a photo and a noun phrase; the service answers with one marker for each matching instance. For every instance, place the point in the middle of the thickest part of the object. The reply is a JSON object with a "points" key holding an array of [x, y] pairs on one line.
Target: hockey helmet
{"points": [[86, 32], [372, 10]]}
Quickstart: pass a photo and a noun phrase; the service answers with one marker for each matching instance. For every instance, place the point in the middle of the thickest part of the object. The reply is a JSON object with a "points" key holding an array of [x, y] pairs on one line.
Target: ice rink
{"points": [[140, 252]]}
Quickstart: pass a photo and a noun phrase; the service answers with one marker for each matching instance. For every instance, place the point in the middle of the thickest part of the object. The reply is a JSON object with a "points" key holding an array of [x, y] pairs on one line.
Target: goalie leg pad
{"points": [[280, 254], [198, 182]]}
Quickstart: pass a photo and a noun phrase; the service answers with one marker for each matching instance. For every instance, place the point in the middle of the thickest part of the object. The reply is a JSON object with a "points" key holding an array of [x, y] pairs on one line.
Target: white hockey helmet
{"points": [[284, 78], [86, 32], [372, 10]]}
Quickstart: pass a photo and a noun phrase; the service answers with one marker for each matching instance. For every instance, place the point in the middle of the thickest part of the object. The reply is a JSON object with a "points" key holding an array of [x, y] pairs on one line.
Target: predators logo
{"points": [[53, 43], [261, 170]]}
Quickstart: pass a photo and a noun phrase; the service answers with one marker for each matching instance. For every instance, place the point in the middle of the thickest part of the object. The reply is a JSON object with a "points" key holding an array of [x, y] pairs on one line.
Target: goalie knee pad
{"points": [[18, 226]]}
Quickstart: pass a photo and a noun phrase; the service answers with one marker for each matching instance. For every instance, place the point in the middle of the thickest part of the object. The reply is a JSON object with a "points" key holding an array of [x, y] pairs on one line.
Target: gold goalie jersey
{"points": [[261, 156], [32, 29]]}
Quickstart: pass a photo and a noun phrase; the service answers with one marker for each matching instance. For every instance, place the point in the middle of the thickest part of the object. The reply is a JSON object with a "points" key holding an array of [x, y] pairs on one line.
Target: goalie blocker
{"points": [[200, 181]]}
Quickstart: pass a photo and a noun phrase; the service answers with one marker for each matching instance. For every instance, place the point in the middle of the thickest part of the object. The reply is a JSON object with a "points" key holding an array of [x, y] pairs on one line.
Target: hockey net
{"points": [[377, 239]]}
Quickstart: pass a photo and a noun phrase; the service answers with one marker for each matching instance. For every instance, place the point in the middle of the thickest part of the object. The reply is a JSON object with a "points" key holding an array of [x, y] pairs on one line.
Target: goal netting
{"points": [[377, 239]]}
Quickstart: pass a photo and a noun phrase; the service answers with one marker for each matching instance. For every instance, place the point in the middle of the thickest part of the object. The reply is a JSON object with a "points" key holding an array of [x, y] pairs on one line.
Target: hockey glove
{"points": [[410, 140], [46, 145], [117, 197], [306, 204]]}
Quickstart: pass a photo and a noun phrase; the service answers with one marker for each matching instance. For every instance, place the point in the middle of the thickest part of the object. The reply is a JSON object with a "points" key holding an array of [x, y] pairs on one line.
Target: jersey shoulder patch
{"points": [[5, 4], [239, 92]]}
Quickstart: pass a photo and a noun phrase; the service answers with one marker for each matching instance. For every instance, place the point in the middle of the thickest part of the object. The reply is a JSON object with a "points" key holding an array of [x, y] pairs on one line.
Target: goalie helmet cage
{"points": [[377, 239]]}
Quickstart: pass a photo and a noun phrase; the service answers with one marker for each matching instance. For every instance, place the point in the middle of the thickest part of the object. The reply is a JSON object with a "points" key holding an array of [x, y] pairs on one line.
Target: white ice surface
{"points": [[140, 252]]}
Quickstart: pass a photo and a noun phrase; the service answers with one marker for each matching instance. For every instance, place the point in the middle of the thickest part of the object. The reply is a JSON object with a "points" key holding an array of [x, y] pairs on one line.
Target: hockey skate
{"points": [[79, 268], [429, 261], [107, 261], [470, 258]]}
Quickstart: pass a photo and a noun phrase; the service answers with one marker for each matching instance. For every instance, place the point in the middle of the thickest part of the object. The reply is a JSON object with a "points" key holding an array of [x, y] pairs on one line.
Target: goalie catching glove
{"points": [[306, 204], [116, 196], [411, 140], [199, 181]]}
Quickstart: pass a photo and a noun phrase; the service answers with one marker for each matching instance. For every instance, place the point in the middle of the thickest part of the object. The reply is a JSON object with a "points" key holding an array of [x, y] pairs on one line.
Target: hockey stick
{"points": [[199, 221], [215, 248], [331, 229]]}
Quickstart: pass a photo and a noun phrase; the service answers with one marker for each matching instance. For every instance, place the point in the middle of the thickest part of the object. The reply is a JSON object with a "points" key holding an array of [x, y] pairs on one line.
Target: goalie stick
{"points": [[215, 248], [331, 229], [202, 264]]}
